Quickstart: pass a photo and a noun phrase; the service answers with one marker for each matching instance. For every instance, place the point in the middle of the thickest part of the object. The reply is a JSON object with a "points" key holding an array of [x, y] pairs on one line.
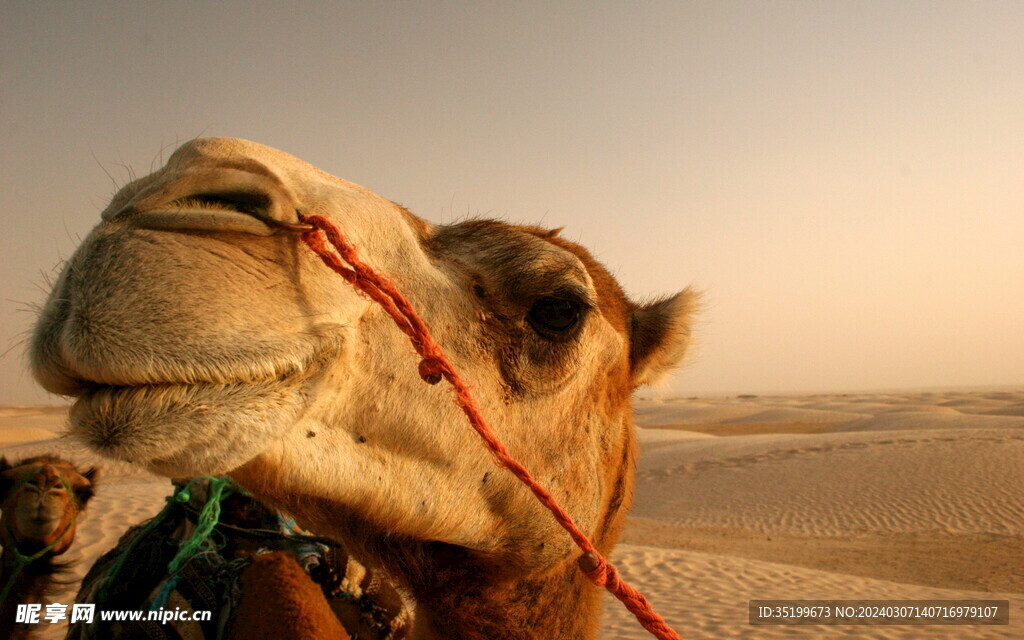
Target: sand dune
{"points": [[1008, 396], [973, 404], [24, 434], [653, 437], [1009, 410], [912, 420], [853, 496], [13, 422], [22, 411], [851, 407], [802, 416], [696, 413], [922, 408]]}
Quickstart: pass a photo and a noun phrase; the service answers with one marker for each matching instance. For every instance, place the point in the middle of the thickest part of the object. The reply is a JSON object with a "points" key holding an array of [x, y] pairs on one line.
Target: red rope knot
{"points": [[595, 567], [432, 369]]}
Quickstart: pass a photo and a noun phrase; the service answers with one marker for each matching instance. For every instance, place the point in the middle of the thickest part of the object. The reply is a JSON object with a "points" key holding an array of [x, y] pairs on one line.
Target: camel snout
{"points": [[48, 476], [226, 197]]}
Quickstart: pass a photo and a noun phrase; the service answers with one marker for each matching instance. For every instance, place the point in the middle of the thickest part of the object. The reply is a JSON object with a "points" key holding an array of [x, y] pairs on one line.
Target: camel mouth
{"points": [[186, 429], [92, 389], [85, 389], [195, 427], [99, 393], [42, 526], [38, 527], [85, 380], [115, 390]]}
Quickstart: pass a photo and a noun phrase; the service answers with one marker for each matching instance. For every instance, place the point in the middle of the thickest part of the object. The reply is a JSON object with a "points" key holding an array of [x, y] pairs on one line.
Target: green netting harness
{"points": [[220, 488]]}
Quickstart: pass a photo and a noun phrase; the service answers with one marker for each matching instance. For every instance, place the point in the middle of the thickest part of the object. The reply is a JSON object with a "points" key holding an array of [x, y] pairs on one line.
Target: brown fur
{"points": [[275, 582]]}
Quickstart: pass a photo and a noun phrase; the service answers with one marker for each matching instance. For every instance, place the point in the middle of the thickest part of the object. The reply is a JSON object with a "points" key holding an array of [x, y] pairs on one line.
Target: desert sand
{"points": [[913, 495]]}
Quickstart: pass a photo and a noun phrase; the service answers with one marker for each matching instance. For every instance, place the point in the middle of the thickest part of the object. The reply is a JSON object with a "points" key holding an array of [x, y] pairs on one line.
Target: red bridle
{"points": [[432, 368]]}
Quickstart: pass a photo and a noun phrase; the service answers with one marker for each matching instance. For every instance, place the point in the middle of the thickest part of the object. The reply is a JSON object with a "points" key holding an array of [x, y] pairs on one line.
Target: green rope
{"points": [[207, 520]]}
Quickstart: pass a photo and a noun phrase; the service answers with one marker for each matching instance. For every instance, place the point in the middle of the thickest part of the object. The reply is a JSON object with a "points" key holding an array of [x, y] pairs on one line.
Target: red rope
{"points": [[435, 366]]}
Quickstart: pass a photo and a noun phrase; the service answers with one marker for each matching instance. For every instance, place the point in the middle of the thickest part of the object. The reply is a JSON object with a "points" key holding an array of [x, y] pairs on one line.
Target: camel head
{"points": [[199, 338], [41, 498]]}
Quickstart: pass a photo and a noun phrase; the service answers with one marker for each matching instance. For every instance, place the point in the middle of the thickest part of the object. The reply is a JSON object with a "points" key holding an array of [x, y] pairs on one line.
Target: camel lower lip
{"points": [[186, 429]]}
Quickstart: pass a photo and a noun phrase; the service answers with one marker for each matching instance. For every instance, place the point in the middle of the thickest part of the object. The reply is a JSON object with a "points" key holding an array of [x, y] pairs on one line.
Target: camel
{"points": [[42, 498], [198, 336]]}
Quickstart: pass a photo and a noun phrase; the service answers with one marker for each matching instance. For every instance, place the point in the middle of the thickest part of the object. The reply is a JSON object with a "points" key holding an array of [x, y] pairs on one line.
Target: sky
{"points": [[842, 180]]}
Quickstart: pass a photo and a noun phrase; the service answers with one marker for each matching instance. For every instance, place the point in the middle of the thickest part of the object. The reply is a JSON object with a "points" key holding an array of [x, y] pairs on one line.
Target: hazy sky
{"points": [[844, 180]]}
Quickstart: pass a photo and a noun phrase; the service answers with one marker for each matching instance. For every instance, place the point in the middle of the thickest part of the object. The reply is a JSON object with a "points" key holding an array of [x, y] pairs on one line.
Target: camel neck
{"points": [[472, 603], [25, 582], [22, 584]]}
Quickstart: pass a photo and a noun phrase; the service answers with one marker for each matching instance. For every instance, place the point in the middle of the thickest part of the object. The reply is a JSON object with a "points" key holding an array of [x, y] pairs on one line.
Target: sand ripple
{"points": [[705, 596], [962, 481]]}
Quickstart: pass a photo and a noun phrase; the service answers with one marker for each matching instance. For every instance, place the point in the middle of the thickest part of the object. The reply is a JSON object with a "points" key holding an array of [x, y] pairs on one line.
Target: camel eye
{"points": [[553, 317]]}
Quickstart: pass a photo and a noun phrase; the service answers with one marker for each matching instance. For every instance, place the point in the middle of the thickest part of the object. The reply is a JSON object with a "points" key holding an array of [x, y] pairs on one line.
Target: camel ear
{"points": [[85, 492], [660, 336]]}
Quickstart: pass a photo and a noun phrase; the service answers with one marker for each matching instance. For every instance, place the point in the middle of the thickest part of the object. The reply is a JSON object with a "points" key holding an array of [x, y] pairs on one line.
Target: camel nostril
{"points": [[232, 198], [256, 205]]}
